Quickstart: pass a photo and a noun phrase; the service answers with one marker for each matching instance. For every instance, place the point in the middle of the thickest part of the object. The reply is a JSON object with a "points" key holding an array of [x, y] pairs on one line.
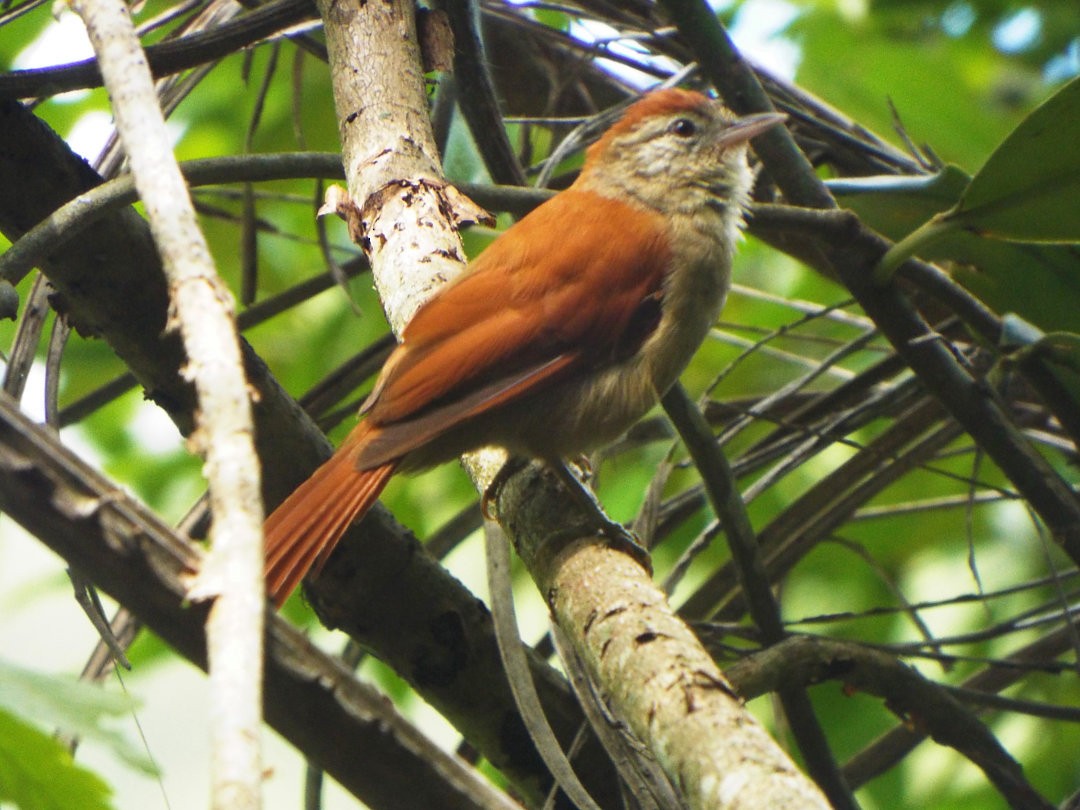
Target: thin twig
{"points": [[167, 57], [519, 673], [805, 660]]}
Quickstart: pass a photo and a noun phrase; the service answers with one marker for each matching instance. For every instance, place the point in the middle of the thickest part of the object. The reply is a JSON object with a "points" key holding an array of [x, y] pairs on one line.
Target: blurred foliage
{"points": [[78, 708], [37, 772], [960, 76], [36, 769]]}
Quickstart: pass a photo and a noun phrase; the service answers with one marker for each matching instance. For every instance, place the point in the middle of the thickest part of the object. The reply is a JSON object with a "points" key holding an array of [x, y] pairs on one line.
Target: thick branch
{"points": [[706, 741], [141, 562], [651, 670], [747, 557]]}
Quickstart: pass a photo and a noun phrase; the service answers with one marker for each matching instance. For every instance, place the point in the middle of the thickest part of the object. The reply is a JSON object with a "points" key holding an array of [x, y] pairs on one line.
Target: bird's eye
{"points": [[683, 127]]}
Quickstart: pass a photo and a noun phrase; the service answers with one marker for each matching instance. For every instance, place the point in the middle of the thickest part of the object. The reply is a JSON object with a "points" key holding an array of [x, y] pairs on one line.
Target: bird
{"points": [[562, 333]]}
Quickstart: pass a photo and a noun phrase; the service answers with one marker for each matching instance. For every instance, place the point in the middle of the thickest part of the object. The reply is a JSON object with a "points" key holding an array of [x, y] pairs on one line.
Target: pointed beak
{"points": [[750, 126]]}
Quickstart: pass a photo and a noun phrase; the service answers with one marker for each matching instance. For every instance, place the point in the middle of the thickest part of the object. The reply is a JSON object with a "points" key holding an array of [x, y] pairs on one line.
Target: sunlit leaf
{"points": [[76, 707]]}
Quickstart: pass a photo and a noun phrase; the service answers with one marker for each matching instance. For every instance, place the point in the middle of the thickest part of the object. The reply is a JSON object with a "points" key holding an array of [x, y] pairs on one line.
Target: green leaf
{"points": [[859, 64], [1029, 189], [1040, 282], [37, 772], [78, 708], [1059, 350]]}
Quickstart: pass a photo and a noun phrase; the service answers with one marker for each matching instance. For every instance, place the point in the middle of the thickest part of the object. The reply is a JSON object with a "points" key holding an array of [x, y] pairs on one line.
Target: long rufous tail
{"points": [[303, 530]]}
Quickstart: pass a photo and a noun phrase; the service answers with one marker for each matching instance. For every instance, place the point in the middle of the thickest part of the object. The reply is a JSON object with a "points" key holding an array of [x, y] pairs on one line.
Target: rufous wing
{"points": [[562, 291]]}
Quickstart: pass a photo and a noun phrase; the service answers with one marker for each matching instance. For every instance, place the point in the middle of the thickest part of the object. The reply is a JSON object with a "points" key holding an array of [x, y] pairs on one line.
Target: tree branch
{"points": [[165, 58], [476, 94], [892, 746], [755, 584], [202, 310], [649, 667], [920, 702], [311, 699]]}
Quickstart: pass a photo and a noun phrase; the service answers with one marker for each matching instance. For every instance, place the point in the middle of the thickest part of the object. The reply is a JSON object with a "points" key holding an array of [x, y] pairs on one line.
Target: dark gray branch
{"points": [[919, 701], [310, 699]]}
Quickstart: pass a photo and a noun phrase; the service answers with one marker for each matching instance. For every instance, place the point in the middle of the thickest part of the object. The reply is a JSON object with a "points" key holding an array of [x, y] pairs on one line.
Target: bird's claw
{"points": [[626, 541], [490, 496], [618, 535]]}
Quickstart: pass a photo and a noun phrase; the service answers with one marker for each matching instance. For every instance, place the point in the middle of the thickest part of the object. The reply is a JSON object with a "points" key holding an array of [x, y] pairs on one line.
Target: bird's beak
{"points": [[749, 126]]}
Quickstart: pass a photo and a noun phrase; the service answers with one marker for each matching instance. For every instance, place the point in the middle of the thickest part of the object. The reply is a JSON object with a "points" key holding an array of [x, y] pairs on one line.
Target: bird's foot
{"points": [[618, 535], [491, 491]]}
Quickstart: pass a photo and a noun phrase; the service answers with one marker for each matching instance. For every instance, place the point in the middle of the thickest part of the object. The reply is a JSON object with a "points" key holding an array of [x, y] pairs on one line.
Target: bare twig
{"points": [[476, 95], [167, 57], [517, 668]]}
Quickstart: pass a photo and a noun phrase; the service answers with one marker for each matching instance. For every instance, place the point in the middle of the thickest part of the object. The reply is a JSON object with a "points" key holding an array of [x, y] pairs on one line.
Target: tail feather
{"points": [[305, 528]]}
